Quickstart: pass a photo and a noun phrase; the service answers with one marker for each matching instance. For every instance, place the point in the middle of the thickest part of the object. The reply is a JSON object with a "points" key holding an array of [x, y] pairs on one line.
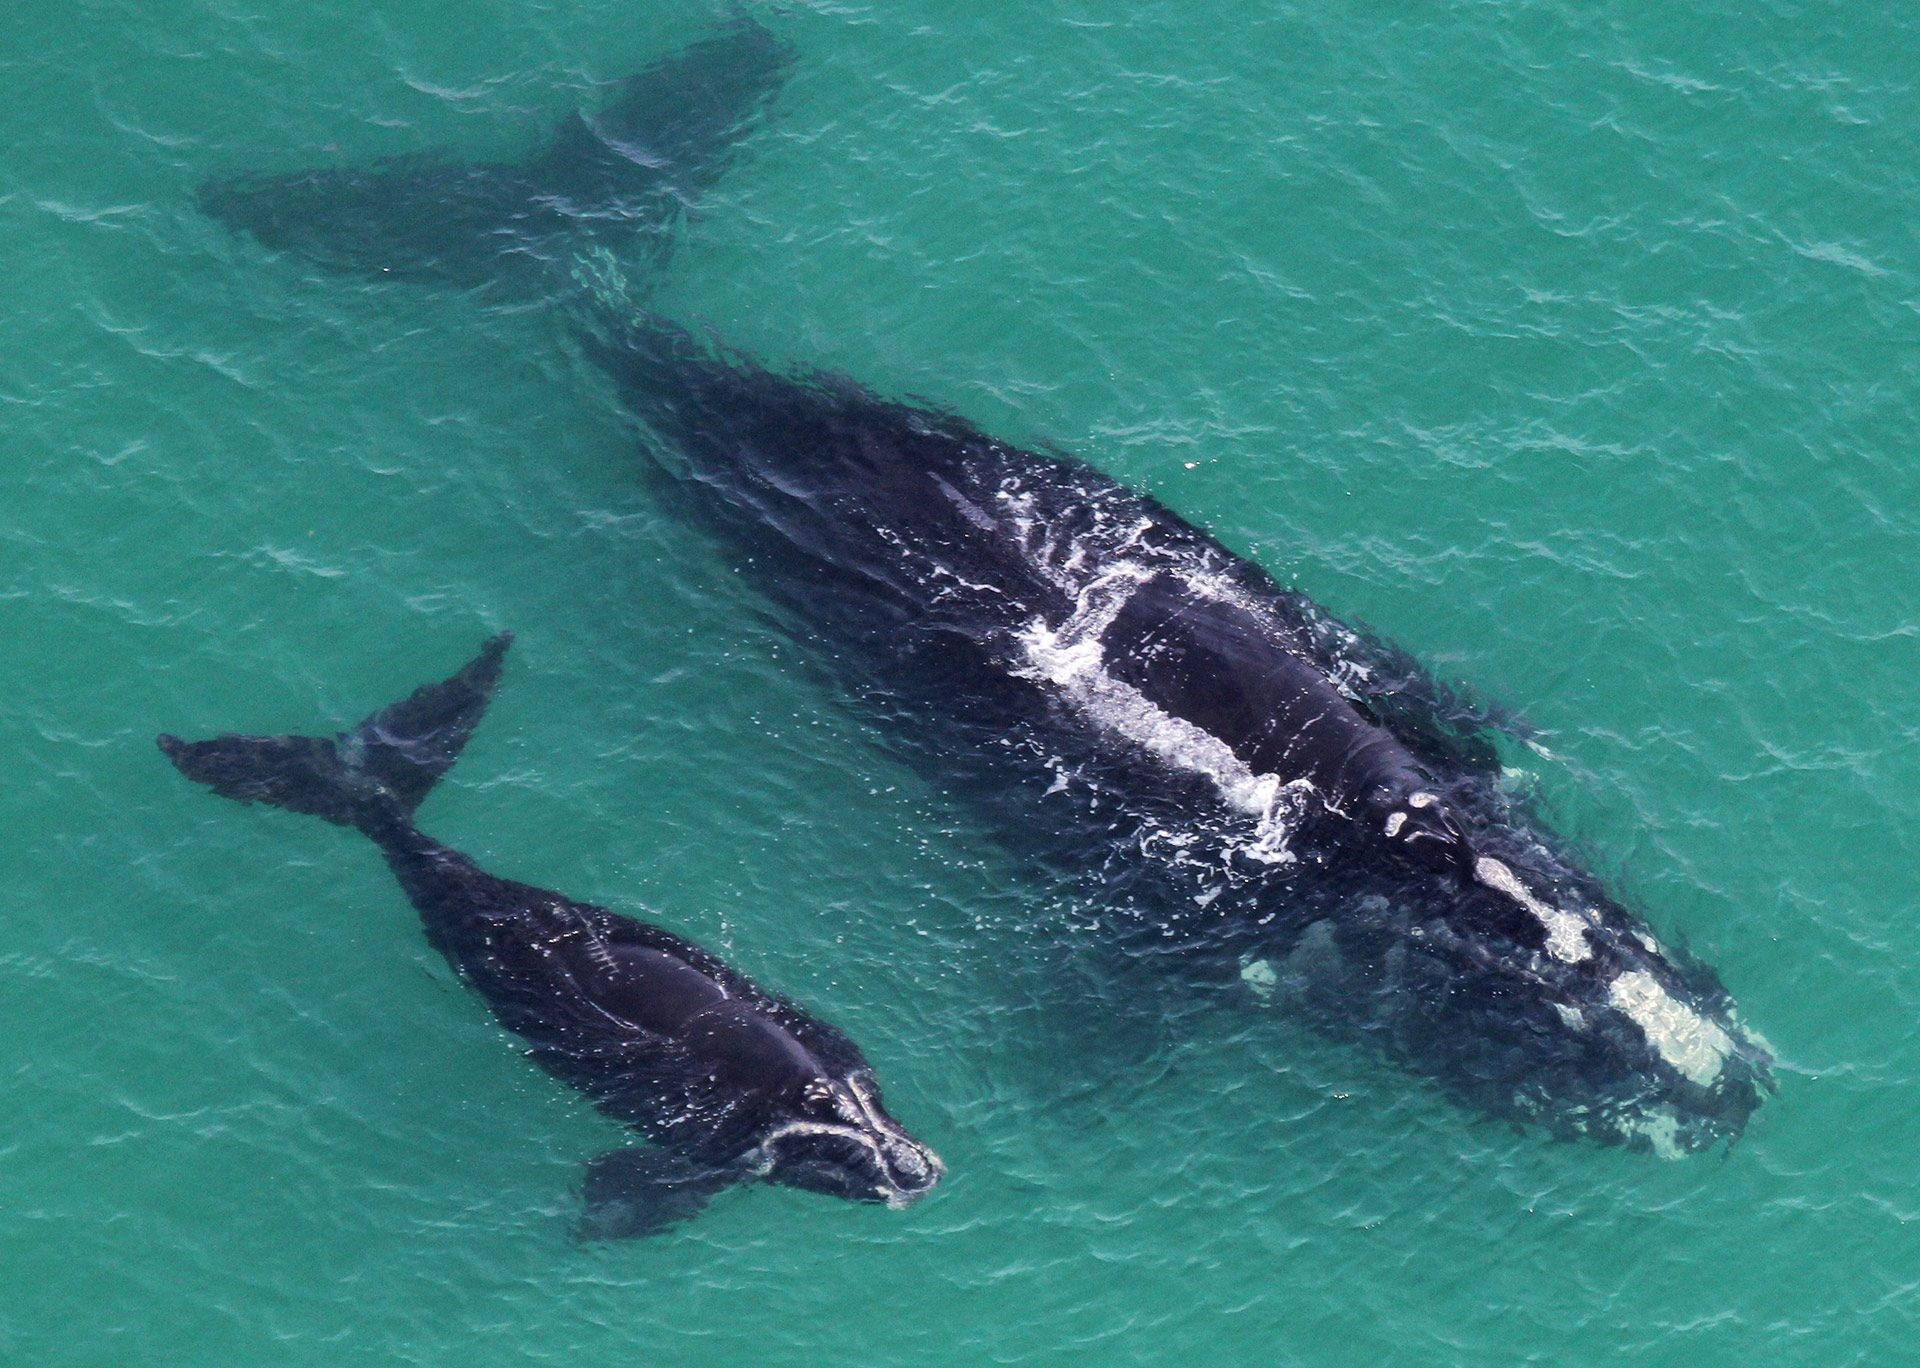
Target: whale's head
{"points": [[1625, 1041], [1696, 1074], [1524, 989], [837, 1138]]}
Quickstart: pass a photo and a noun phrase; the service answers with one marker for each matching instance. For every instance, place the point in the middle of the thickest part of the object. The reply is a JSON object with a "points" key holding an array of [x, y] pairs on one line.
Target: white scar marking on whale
{"points": [[1662, 1129], [873, 1125], [1072, 659], [1261, 977], [1566, 933], [969, 510], [1684, 1038]]}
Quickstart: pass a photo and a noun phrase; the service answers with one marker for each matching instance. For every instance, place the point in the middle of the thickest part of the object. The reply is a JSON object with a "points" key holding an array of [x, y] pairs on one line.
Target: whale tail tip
{"points": [[632, 169], [382, 769]]}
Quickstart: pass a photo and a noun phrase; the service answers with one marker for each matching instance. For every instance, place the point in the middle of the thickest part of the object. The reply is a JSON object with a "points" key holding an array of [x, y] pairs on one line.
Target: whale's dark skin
{"points": [[1211, 757], [1232, 765], [731, 1083], [627, 175]]}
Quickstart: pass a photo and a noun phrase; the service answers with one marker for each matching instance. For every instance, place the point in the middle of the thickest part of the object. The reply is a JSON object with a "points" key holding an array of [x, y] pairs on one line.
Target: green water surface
{"points": [[1575, 347]]}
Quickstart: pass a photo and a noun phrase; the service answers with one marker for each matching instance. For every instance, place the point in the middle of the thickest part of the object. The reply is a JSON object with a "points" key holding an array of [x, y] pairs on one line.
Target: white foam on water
{"points": [[1073, 659], [1566, 932], [1684, 1038]]}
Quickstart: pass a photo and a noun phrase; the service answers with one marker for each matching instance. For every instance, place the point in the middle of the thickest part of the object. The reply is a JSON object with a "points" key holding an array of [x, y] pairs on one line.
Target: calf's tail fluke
{"points": [[376, 773]]}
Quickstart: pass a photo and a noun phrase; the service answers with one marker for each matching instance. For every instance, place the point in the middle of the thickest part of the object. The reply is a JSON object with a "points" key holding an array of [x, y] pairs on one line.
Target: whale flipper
{"points": [[631, 170], [384, 767], [633, 1192]]}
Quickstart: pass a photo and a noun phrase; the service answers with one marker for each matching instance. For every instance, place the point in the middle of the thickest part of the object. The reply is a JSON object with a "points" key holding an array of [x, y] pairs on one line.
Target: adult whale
{"points": [[1235, 768], [1231, 770], [732, 1083]]}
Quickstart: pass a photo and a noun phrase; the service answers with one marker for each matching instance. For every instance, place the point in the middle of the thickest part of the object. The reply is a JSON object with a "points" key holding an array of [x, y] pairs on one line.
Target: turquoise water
{"points": [[1575, 349]]}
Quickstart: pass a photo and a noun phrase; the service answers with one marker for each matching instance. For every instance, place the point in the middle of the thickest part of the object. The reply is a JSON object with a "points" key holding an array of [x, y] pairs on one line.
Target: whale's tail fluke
{"points": [[379, 771], [628, 172]]}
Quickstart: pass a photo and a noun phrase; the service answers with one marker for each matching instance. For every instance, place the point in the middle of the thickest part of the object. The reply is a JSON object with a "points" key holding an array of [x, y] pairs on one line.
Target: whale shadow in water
{"points": [[730, 1082]]}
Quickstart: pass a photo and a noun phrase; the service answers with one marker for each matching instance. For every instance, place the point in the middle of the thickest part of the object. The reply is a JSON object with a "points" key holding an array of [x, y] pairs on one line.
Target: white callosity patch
{"points": [[865, 1124], [1566, 931], [1072, 657], [1661, 1127], [1573, 1017], [1684, 1038], [1261, 977]]}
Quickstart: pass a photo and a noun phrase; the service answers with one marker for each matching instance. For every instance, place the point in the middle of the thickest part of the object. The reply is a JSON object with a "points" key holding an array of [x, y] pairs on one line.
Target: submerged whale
{"points": [[627, 175], [730, 1082], [1229, 771]]}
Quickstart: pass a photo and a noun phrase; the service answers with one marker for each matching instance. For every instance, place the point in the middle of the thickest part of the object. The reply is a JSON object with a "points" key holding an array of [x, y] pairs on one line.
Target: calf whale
{"points": [[1224, 767], [730, 1082]]}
